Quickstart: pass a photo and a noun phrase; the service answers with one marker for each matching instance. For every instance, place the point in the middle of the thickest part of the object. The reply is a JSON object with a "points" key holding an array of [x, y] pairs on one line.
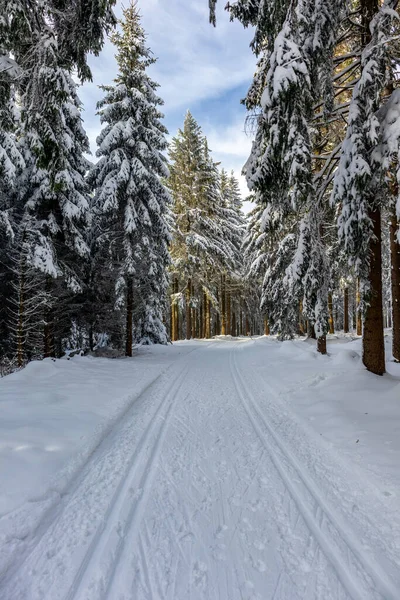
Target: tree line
{"points": [[150, 244], [323, 170], [141, 247]]}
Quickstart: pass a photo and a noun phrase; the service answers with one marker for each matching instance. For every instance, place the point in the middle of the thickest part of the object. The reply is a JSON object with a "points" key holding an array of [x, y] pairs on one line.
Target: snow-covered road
{"points": [[210, 487]]}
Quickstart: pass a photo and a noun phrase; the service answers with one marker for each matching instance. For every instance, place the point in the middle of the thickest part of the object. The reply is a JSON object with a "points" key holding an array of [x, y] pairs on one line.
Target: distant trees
{"points": [[208, 295]]}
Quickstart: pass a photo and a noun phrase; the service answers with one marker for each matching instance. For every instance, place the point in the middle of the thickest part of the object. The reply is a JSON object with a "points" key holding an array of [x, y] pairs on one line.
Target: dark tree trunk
{"points": [[358, 308], [321, 344], [175, 313], [346, 310], [373, 340], [223, 306], [48, 323], [330, 308], [129, 318], [208, 319], [188, 310], [228, 312], [266, 326], [395, 280]]}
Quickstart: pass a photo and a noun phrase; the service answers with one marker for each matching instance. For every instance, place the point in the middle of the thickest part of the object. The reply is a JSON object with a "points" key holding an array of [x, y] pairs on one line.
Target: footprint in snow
{"points": [[199, 574]]}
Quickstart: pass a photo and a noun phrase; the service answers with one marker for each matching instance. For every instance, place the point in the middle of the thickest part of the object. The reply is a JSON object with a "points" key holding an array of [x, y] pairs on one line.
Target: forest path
{"points": [[211, 488]]}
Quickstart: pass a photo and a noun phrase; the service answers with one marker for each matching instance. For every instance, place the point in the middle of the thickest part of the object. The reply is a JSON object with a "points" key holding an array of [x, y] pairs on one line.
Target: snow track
{"points": [[355, 569], [199, 492], [123, 496]]}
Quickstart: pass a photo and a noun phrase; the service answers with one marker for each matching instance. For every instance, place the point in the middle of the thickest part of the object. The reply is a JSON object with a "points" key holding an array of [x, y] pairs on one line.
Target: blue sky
{"points": [[199, 68]]}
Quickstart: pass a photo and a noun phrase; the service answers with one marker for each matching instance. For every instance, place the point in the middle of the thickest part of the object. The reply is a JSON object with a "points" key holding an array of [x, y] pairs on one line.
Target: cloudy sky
{"points": [[199, 68]]}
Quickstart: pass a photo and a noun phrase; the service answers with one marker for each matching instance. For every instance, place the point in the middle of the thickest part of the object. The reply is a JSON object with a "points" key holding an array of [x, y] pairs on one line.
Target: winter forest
{"points": [[199, 307], [147, 242]]}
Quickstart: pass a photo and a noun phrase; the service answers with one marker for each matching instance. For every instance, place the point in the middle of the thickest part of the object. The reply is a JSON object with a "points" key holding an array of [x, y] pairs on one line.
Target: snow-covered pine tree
{"points": [[11, 165], [296, 41], [52, 189], [201, 253], [77, 25], [360, 175], [130, 195], [233, 224]]}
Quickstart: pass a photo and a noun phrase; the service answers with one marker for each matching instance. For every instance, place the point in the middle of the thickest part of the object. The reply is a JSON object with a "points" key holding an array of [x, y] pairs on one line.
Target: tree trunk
{"points": [[346, 310], [175, 309], [234, 332], [208, 319], [266, 326], [228, 311], [129, 318], [48, 323], [395, 280], [21, 316], [301, 319], [201, 318], [330, 308], [223, 306], [247, 327], [188, 310], [358, 302], [373, 340], [321, 344]]}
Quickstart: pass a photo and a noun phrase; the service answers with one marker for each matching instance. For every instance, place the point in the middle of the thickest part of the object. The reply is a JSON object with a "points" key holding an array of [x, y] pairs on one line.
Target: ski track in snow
{"points": [[196, 495], [359, 575]]}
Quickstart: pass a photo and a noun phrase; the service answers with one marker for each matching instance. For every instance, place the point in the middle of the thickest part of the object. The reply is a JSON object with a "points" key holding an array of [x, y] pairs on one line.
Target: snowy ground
{"points": [[225, 469]]}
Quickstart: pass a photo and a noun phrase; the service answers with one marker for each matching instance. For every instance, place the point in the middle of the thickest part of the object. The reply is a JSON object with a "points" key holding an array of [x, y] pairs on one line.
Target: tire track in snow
{"points": [[357, 585]]}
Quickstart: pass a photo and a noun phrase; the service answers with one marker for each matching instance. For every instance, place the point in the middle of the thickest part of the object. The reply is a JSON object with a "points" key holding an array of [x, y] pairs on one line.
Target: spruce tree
{"points": [[203, 247], [130, 195], [360, 175]]}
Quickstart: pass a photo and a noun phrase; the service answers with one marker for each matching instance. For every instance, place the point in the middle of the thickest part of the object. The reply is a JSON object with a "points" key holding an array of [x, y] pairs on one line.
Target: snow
{"points": [[233, 468]]}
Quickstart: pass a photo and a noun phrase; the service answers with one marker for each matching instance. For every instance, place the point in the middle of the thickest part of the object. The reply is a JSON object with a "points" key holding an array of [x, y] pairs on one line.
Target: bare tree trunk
{"points": [[330, 308], [395, 280], [21, 316], [266, 326], [201, 318], [301, 319], [208, 318], [346, 310], [234, 332], [321, 344], [48, 323], [358, 309], [223, 306], [188, 310], [228, 310], [248, 332], [373, 340], [129, 318]]}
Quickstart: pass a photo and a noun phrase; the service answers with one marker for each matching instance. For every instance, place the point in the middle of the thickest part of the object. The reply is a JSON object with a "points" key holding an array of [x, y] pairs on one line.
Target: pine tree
{"points": [[130, 196], [203, 250], [360, 175], [295, 43]]}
